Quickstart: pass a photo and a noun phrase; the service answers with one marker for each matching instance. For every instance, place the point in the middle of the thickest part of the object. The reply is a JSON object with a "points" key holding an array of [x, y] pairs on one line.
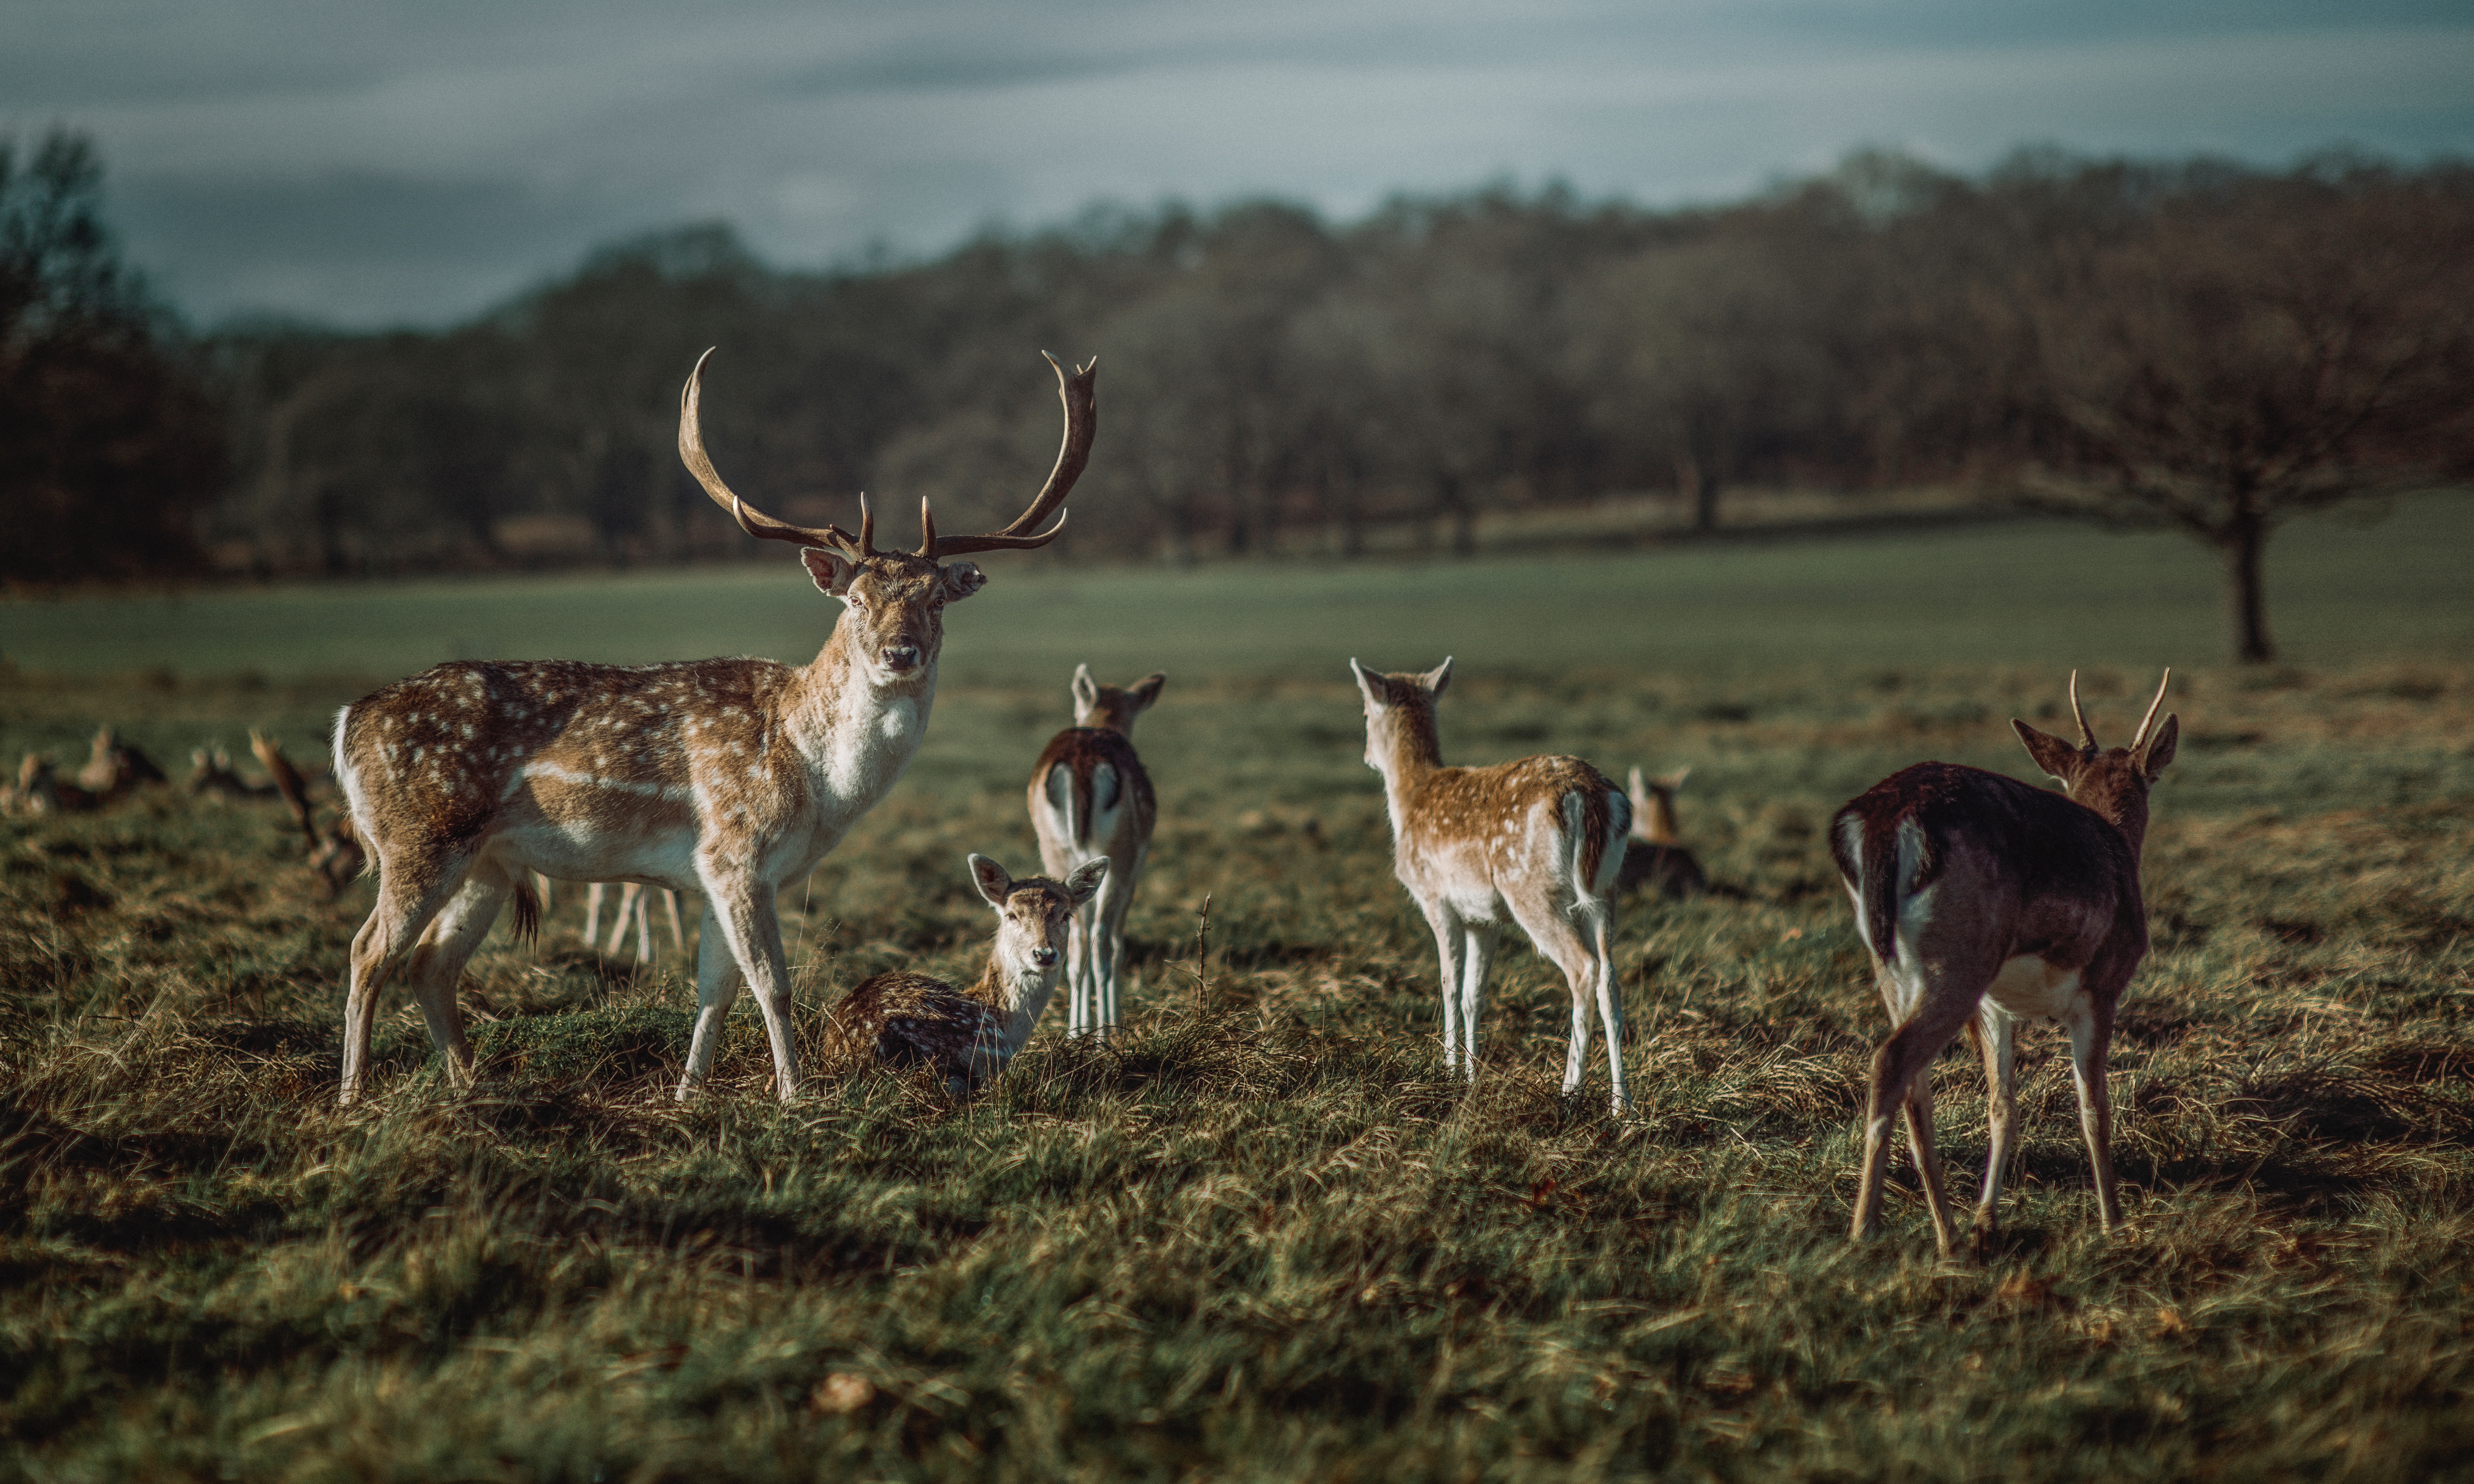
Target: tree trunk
{"points": [[2245, 543], [1693, 478]]}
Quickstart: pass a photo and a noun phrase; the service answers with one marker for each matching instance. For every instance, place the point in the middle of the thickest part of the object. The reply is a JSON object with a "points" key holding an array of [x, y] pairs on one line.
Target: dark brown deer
{"points": [[726, 777], [1540, 841], [968, 1036], [1986, 901], [1091, 800]]}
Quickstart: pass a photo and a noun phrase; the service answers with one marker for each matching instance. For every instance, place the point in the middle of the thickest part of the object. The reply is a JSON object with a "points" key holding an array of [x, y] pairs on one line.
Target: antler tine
{"points": [[752, 521], [1081, 422], [2087, 736], [2149, 719], [867, 528], [927, 530]]}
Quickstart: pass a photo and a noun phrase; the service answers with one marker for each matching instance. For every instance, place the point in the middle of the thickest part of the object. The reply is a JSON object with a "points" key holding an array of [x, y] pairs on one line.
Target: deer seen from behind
{"points": [[726, 777], [1656, 856], [1091, 800], [1984, 902], [969, 1035], [1541, 839]]}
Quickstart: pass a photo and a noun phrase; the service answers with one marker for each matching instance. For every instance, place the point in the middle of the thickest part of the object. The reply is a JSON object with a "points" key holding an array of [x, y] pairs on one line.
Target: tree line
{"points": [[2195, 345]]}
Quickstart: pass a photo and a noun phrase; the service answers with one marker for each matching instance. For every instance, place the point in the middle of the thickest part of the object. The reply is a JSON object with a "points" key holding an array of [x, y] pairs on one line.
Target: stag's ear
{"points": [[2060, 759], [961, 579], [832, 571], [2159, 748], [991, 880], [1144, 691], [1438, 678], [1084, 881], [1376, 690], [1087, 691]]}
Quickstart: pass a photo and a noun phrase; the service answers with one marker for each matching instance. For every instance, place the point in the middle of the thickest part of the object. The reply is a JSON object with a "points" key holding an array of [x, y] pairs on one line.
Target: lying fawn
{"points": [[335, 854], [1986, 901], [728, 777], [1656, 856], [1090, 800], [1542, 838], [114, 767], [900, 1018]]}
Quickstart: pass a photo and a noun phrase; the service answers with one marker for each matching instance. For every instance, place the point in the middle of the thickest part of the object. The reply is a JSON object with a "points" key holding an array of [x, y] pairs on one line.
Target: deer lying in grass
{"points": [[1090, 800], [335, 854], [210, 771], [1656, 856], [39, 791], [728, 777], [1986, 901], [1542, 838], [114, 767], [900, 1018]]}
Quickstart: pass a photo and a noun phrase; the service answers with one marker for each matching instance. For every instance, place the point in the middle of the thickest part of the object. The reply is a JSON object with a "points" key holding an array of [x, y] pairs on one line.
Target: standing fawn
{"points": [[1090, 800], [727, 777], [1543, 838], [1656, 856], [1986, 901], [899, 1018]]}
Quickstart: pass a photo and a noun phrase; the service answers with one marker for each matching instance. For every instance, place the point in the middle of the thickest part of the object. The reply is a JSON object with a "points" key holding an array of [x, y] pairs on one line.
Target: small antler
{"points": [[1082, 421], [752, 521], [2087, 736], [2149, 719]]}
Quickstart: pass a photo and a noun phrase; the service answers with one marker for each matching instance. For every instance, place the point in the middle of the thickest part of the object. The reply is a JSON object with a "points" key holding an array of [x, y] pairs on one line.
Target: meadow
{"points": [[1263, 1237]]}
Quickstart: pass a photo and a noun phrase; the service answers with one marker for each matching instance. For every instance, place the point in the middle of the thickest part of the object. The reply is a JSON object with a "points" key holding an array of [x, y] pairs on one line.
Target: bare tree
{"points": [[2246, 348]]}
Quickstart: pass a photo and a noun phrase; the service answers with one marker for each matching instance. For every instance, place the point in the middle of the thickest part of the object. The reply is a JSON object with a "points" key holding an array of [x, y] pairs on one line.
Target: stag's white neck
{"points": [[858, 727]]}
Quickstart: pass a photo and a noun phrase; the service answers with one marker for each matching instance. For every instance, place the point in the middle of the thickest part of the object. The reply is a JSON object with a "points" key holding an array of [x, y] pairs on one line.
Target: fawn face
{"points": [[1033, 915], [893, 606]]}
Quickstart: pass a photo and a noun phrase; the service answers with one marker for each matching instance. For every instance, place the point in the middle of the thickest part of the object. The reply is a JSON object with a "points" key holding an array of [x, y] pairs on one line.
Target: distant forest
{"points": [[2197, 344]]}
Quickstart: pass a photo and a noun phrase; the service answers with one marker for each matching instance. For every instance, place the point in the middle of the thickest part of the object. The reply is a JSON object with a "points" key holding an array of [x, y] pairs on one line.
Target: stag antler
{"points": [[2149, 719], [752, 521], [2087, 736], [1082, 421]]}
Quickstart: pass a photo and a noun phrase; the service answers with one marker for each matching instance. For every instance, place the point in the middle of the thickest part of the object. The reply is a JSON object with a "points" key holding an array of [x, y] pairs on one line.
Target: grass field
{"points": [[1265, 1238]]}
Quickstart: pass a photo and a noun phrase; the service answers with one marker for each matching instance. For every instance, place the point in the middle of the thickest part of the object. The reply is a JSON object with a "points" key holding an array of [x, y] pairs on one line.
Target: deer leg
{"points": [[1108, 943], [1602, 960], [1082, 985], [1569, 946], [2089, 1035], [1479, 940], [1995, 1038], [410, 894], [1447, 948], [628, 897], [678, 935], [592, 913], [1920, 1140], [643, 927], [1902, 1060], [437, 962], [754, 933], [716, 990]]}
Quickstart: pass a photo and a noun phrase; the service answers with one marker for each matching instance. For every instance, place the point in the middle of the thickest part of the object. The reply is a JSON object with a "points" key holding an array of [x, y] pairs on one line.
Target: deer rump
{"points": [[2039, 875], [1092, 784]]}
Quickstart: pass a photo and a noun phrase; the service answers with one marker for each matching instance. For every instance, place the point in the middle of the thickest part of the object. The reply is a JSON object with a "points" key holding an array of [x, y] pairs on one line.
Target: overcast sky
{"points": [[376, 164]]}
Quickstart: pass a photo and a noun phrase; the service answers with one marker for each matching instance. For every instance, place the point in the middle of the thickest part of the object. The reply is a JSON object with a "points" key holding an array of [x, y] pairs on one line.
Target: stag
{"points": [[727, 777]]}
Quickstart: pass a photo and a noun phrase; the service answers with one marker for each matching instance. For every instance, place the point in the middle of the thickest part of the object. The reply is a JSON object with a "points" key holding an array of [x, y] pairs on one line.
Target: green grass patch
{"points": [[1265, 1237]]}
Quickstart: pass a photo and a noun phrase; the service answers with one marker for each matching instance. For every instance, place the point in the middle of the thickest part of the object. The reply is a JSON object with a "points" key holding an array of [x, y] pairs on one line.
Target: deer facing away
{"points": [[726, 777], [1091, 800], [969, 1035], [1542, 838], [1984, 902]]}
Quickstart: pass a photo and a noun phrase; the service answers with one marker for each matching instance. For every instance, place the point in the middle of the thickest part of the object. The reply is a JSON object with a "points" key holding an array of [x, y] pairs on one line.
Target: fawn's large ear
{"points": [[1438, 677], [1087, 691], [1674, 780], [1378, 693], [961, 579], [991, 880], [2060, 759], [1144, 691], [1633, 788], [830, 570], [1084, 881], [2159, 747]]}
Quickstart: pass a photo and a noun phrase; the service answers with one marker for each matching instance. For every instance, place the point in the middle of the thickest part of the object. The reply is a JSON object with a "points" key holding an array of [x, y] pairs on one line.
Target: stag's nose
{"points": [[901, 658], [1045, 958]]}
